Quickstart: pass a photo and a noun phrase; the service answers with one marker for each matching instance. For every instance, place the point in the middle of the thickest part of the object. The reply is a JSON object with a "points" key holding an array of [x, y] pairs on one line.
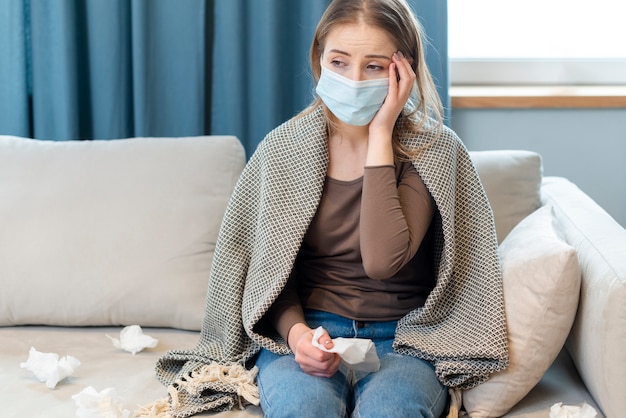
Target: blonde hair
{"points": [[397, 19]]}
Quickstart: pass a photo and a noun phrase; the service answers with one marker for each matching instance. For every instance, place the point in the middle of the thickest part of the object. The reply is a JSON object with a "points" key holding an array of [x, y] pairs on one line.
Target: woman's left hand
{"points": [[401, 82]]}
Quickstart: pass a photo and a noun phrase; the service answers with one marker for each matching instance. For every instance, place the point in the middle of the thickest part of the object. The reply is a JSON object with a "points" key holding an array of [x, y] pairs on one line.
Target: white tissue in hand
{"points": [[132, 339], [558, 410], [356, 353], [104, 404], [48, 367]]}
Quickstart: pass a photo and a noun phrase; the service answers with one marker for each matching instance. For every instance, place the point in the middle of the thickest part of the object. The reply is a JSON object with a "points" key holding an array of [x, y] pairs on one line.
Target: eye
{"points": [[337, 63], [375, 67]]}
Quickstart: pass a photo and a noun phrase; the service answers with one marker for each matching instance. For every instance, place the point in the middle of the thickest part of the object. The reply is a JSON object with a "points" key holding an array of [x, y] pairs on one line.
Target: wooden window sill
{"points": [[534, 97]]}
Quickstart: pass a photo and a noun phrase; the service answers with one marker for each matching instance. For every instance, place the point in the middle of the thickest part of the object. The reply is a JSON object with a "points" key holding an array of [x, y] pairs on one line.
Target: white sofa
{"points": [[98, 235]]}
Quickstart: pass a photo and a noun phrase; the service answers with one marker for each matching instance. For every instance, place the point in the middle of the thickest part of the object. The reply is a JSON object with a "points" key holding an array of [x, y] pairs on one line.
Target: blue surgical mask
{"points": [[352, 102]]}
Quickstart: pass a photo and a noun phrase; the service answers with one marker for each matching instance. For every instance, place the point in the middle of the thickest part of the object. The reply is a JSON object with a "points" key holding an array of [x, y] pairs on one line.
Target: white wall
{"points": [[588, 146]]}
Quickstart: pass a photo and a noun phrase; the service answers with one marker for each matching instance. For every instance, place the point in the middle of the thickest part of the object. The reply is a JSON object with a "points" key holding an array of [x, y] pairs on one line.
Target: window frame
{"points": [[495, 71]]}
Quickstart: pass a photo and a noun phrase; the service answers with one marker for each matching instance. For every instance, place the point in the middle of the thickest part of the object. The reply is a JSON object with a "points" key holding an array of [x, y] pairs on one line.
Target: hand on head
{"points": [[401, 82]]}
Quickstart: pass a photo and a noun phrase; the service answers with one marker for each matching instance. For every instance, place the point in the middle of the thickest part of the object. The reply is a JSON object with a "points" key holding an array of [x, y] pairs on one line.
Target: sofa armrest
{"points": [[598, 337]]}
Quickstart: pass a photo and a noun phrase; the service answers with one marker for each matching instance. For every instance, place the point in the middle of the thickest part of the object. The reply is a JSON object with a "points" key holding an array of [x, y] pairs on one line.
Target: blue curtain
{"points": [[14, 89], [85, 69], [434, 17], [81, 69]]}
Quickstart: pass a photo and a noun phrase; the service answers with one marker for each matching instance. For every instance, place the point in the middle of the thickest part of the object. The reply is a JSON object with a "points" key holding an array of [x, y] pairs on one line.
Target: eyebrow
{"points": [[338, 51]]}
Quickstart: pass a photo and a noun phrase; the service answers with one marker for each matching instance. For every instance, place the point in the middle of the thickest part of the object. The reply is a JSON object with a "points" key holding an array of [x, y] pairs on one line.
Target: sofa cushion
{"points": [[512, 181], [541, 280], [115, 232], [102, 366]]}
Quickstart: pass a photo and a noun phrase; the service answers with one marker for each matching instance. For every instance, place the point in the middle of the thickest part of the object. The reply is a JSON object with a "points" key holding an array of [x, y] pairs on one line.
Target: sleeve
{"points": [[395, 216], [287, 310]]}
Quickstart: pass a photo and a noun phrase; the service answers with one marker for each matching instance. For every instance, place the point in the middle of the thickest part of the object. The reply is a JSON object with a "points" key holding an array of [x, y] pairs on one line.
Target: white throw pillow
{"points": [[541, 279], [117, 232], [512, 181]]}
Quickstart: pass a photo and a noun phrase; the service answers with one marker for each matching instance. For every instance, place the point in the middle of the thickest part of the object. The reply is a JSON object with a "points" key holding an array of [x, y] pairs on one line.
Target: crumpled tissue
{"points": [[358, 354], [133, 340], [558, 410], [48, 368], [104, 404]]}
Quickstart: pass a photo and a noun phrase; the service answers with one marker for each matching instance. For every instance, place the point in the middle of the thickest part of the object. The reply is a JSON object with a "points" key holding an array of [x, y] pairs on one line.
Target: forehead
{"points": [[359, 38]]}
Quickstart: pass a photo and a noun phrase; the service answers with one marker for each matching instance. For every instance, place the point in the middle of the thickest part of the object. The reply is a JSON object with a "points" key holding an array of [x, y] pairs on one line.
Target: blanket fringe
{"points": [[233, 376], [456, 402], [157, 409]]}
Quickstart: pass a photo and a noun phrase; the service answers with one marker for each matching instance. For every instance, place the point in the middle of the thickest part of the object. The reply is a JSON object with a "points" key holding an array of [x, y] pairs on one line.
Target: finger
{"points": [[330, 364], [326, 375], [335, 364], [393, 80], [405, 71], [325, 340], [326, 366], [398, 62], [327, 371]]}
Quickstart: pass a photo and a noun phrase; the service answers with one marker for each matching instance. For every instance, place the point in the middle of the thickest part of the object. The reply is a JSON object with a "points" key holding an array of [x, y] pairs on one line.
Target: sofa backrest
{"points": [[512, 181], [111, 232], [121, 232]]}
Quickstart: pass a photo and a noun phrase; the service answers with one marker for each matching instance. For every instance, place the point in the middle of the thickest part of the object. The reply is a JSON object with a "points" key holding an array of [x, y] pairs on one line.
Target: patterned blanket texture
{"points": [[461, 329]]}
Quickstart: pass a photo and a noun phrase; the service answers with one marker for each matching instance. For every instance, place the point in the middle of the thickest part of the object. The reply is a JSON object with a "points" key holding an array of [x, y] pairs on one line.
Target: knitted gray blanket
{"points": [[461, 328]]}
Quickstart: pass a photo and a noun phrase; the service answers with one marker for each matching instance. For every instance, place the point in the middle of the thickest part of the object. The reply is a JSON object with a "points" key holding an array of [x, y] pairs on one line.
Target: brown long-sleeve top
{"points": [[365, 255]]}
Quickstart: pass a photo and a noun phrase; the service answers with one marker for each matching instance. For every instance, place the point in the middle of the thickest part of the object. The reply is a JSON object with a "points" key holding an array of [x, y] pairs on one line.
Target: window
{"points": [[537, 42]]}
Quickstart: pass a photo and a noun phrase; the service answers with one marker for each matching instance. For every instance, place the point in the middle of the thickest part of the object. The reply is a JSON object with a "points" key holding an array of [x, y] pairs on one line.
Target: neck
{"points": [[350, 133]]}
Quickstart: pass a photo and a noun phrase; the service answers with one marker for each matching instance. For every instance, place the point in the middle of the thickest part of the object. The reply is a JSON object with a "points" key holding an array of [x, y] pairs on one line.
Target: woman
{"points": [[358, 263], [364, 216]]}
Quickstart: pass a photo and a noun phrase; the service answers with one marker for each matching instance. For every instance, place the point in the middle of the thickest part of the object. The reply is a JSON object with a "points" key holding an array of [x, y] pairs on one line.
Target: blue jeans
{"points": [[403, 387]]}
